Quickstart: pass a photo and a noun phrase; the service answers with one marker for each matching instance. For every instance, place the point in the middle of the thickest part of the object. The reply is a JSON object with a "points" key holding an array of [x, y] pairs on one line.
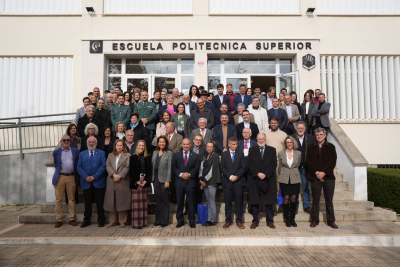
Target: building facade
{"points": [[54, 52]]}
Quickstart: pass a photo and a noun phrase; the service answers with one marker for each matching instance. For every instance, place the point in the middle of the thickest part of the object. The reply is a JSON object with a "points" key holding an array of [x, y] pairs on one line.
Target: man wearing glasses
{"points": [[64, 179]]}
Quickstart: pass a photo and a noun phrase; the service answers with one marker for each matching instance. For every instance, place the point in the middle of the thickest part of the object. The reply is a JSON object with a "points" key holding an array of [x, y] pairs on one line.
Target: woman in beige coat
{"points": [[289, 179], [118, 197]]}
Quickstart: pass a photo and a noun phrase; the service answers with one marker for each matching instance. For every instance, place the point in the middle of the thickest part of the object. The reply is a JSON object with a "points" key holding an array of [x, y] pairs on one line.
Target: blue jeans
{"points": [[306, 188]]}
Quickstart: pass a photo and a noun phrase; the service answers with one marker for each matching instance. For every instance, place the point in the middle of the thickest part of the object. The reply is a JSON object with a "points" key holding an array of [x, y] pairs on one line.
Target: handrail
{"points": [[37, 116]]}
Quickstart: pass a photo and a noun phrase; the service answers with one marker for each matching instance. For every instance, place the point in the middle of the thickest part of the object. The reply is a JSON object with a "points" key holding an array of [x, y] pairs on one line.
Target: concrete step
{"points": [[377, 214]]}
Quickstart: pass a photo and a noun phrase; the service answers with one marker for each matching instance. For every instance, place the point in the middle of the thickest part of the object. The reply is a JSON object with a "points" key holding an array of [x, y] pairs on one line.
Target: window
{"points": [[243, 66]]}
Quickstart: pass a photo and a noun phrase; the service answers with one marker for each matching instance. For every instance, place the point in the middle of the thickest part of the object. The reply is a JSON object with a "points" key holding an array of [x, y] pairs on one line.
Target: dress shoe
{"points": [[227, 224], [111, 225], [213, 224], [308, 210], [156, 224], [58, 224], [73, 223], [207, 223], [240, 225], [333, 225], [179, 225], [101, 225], [186, 212], [254, 225], [297, 210], [192, 225], [83, 225], [271, 225], [313, 224], [164, 225], [123, 225]]}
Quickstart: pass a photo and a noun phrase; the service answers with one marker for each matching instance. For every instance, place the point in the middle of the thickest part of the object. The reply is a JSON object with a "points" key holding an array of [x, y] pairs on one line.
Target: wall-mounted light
{"points": [[310, 10], [90, 10]]}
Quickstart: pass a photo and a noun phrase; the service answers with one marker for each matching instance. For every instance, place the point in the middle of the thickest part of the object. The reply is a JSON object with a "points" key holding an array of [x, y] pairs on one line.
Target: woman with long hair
{"points": [[306, 108], [182, 121], [107, 140], [164, 119], [72, 132], [128, 100], [136, 98], [140, 175], [194, 93], [120, 130], [249, 91], [293, 96], [93, 101], [281, 99]]}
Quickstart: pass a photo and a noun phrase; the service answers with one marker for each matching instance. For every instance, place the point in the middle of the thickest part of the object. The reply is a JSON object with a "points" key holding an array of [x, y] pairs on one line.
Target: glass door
{"points": [[168, 82], [142, 83], [237, 81], [290, 81]]}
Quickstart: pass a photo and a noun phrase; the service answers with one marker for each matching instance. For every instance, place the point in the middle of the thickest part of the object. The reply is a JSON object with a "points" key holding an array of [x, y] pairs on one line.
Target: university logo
{"points": [[309, 62], [96, 46], [200, 63]]}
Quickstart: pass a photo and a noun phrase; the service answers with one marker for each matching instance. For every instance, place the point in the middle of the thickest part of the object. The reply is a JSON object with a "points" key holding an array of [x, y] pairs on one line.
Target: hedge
{"points": [[384, 187]]}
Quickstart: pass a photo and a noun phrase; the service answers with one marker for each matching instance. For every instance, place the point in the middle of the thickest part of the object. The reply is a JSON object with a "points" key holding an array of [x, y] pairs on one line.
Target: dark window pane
{"points": [[114, 66], [163, 82], [114, 82], [213, 81], [142, 83], [151, 66]]}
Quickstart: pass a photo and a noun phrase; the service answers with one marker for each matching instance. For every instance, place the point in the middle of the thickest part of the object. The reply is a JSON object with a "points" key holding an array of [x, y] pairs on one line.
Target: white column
{"points": [[397, 85], [330, 84], [367, 93], [360, 88], [354, 86], [323, 74], [379, 95], [385, 88], [342, 88], [335, 69], [348, 88], [392, 96], [372, 75]]}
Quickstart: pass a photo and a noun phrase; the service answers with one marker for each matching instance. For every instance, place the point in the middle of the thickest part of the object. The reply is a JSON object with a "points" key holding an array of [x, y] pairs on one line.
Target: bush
{"points": [[384, 188]]}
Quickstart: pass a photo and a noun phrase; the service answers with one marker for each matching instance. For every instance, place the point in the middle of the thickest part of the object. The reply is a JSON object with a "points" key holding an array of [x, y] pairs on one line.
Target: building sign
{"points": [[96, 46], [309, 62]]}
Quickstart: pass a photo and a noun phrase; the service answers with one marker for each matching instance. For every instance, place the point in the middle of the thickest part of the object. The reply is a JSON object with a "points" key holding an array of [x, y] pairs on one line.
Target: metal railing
{"points": [[23, 133]]}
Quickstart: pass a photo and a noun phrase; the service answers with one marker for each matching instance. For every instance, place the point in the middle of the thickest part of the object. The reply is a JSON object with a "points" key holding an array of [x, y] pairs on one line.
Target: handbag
{"points": [[202, 213], [154, 142], [280, 197]]}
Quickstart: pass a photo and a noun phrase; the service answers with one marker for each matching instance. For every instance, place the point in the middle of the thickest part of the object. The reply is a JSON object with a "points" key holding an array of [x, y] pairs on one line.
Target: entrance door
{"points": [[290, 81], [143, 83], [165, 82]]}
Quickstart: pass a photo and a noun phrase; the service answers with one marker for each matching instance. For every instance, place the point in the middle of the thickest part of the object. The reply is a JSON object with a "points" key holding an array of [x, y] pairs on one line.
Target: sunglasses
{"points": [[66, 140]]}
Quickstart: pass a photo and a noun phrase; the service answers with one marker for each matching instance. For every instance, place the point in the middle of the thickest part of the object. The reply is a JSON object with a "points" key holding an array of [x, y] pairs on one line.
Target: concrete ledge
{"points": [[269, 241]]}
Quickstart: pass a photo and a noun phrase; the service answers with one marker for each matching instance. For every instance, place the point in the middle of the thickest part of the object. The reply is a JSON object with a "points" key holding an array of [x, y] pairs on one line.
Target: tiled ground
{"points": [[79, 255], [9, 214]]}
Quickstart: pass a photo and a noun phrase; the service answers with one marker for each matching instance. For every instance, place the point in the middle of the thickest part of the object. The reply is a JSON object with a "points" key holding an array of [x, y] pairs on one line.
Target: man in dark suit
{"points": [[221, 133], [201, 112], [223, 110], [275, 111], [233, 169], [320, 115], [304, 140], [242, 98], [89, 117], [92, 169], [246, 142], [220, 98], [185, 167], [103, 114], [198, 146], [246, 124], [189, 105], [262, 163]]}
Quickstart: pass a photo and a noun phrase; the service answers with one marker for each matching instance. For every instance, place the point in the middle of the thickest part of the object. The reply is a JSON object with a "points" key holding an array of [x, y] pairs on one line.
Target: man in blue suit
{"points": [[185, 166], [221, 133], [220, 98], [92, 169], [233, 169], [242, 98], [65, 178], [281, 114]]}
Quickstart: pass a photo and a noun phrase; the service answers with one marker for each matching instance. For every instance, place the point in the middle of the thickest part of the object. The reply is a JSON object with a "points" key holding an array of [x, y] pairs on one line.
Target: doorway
{"points": [[263, 81]]}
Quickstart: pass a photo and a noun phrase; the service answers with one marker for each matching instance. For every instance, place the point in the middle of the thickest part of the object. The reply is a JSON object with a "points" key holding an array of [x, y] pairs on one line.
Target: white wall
{"points": [[358, 7], [40, 7], [254, 7], [140, 7]]}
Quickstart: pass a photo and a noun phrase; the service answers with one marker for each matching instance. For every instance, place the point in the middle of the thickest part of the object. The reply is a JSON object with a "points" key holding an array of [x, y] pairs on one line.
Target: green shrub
{"points": [[384, 188]]}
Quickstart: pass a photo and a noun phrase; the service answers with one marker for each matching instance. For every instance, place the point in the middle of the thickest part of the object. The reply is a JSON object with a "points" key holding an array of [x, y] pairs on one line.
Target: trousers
{"points": [[328, 186], [65, 183], [211, 207], [96, 194], [162, 206]]}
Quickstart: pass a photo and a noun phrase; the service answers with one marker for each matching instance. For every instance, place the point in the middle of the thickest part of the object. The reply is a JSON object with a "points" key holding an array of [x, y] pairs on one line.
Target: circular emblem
{"points": [[96, 45], [309, 62]]}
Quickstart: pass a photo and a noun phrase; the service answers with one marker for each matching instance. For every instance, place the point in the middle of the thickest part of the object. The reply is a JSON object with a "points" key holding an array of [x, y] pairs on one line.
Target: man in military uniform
{"points": [[147, 114], [120, 112]]}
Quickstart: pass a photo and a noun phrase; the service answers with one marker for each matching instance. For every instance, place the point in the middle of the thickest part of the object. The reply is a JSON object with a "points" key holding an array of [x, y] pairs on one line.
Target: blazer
{"points": [[217, 102], [238, 99], [135, 170], [123, 194], [147, 110], [101, 146], [253, 127], [175, 143], [192, 167], [195, 116], [218, 137], [264, 118], [295, 114], [263, 101], [202, 150], [238, 168], [120, 113], [164, 168], [162, 108], [215, 170], [207, 137], [310, 109], [298, 106], [192, 106], [84, 143], [323, 113], [57, 163], [236, 118], [327, 160], [286, 172], [80, 112], [308, 140], [132, 150], [97, 169], [82, 122], [186, 124], [217, 118], [240, 147], [210, 106], [282, 117], [104, 115]]}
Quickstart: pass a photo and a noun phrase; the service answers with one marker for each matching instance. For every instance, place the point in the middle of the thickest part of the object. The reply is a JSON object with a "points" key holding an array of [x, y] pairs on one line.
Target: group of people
{"points": [[186, 145]]}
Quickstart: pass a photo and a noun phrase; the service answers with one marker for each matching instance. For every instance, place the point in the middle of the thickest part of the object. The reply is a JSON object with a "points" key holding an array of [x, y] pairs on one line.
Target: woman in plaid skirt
{"points": [[140, 173]]}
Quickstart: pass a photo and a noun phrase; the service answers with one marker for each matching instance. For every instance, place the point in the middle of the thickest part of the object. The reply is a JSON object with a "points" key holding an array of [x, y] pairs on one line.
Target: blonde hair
{"points": [[295, 145], [145, 148], [115, 145], [116, 126]]}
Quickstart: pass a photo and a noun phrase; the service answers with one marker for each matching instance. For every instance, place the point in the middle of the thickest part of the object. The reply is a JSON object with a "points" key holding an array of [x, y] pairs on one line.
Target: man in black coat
{"points": [[223, 110], [262, 163], [185, 167], [103, 114], [89, 117], [281, 114], [233, 169], [220, 98], [304, 140], [246, 124], [201, 112]]}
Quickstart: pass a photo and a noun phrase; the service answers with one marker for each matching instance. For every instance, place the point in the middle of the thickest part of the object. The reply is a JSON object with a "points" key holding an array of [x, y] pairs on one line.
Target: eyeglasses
{"points": [[289, 142], [66, 140], [91, 129], [197, 140]]}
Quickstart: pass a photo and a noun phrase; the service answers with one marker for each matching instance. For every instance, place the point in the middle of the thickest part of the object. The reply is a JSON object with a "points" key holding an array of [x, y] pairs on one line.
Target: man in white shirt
{"points": [[260, 115], [270, 95], [202, 130], [238, 117]]}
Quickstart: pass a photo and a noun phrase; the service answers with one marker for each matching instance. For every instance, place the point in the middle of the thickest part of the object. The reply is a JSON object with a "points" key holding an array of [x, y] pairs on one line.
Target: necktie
{"points": [[91, 158], [169, 138], [262, 152], [233, 157], [246, 147], [202, 133], [276, 112], [185, 158]]}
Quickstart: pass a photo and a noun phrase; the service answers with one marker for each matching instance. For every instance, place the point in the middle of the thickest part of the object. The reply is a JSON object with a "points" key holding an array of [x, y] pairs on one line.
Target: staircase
{"points": [[346, 209]]}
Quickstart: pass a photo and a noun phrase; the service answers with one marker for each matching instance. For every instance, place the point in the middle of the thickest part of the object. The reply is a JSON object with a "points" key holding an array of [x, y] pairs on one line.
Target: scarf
{"points": [[134, 126]]}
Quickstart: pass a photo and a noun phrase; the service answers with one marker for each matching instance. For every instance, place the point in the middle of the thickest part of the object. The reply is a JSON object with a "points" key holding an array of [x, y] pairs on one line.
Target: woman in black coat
{"points": [[140, 175], [136, 125]]}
